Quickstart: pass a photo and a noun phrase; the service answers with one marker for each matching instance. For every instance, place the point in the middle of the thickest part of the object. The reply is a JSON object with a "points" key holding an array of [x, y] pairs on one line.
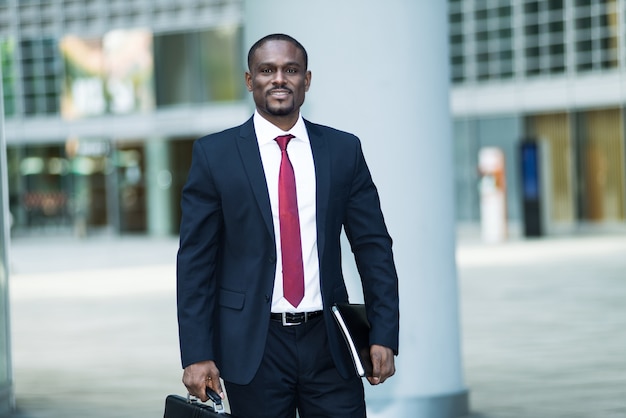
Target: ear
{"points": [[307, 80], [248, 78]]}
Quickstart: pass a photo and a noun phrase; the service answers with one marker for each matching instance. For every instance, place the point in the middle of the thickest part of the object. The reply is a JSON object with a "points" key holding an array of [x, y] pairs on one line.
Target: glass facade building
{"points": [[550, 71], [103, 100], [494, 40]]}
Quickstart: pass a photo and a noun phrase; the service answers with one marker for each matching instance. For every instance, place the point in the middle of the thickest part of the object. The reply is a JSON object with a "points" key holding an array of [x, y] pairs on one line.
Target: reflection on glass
{"points": [[112, 74], [7, 48], [199, 67]]}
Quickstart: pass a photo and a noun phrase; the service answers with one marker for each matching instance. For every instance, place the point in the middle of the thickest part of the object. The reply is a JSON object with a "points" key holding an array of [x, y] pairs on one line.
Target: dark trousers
{"points": [[297, 373]]}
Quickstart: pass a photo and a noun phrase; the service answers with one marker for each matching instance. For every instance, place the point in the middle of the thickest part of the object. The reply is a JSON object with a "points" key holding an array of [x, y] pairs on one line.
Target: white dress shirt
{"points": [[301, 157]]}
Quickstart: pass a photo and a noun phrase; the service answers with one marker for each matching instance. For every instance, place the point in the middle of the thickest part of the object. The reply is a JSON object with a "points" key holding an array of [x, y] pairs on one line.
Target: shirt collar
{"points": [[266, 131]]}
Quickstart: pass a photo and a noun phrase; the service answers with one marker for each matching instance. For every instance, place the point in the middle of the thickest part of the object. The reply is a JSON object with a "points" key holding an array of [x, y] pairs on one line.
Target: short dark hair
{"points": [[277, 37]]}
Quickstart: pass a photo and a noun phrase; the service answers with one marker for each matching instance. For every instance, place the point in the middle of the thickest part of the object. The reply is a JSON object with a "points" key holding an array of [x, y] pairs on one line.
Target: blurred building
{"points": [[552, 72], [103, 99]]}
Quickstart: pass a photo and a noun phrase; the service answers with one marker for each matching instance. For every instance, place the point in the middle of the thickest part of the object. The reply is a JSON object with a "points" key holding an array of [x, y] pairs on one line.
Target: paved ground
{"points": [[95, 335], [544, 328], [94, 331]]}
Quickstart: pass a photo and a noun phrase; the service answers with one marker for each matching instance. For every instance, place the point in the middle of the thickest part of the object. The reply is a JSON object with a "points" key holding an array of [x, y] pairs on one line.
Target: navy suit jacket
{"points": [[227, 257]]}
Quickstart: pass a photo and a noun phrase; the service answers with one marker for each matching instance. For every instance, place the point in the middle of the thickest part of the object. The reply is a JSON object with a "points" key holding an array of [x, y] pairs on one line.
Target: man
{"points": [[259, 263]]}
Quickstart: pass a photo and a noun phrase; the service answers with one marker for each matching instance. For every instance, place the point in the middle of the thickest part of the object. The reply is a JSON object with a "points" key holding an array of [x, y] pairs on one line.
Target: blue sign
{"points": [[530, 170]]}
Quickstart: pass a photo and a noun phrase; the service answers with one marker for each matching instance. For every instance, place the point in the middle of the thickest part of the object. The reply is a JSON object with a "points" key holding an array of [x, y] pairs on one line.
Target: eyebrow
{"points": [[287, 64]]}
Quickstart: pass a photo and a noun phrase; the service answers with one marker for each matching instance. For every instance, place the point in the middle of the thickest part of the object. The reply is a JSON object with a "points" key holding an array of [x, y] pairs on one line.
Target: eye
{"points": [[266, 70], [291, 70]]}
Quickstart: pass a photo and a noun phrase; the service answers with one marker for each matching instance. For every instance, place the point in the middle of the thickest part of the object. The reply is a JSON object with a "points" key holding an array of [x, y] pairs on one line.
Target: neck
{"points": [[284, 123]]}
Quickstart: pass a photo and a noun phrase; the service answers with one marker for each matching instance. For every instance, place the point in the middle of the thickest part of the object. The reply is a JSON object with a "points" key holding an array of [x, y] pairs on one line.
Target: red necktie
{"points": [[291, 246]]}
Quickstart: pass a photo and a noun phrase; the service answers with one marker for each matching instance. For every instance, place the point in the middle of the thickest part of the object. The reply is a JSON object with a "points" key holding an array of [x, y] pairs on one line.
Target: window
{"points": [[7, 48], [549, 37], [41, 75], [112, 74], [199, 67]]}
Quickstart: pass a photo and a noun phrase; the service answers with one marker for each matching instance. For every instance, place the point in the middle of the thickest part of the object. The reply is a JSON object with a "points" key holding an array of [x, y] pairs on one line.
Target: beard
{"points": [[279, 109]]}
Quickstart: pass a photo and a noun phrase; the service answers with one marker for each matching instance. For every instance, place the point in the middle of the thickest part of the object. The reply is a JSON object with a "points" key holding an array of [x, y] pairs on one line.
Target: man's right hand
{"points": [[198, 376]]}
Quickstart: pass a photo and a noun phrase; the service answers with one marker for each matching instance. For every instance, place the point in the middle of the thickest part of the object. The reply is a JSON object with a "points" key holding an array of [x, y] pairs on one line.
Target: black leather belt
{"points": [[294, 318]]}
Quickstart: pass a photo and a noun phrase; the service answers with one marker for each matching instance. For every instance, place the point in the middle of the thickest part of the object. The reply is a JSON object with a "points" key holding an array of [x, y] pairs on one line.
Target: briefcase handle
{"points": [[218, 406]]}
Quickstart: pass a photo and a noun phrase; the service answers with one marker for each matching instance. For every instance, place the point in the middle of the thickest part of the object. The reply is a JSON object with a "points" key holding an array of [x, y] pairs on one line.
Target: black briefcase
{"points": [[189, 407]]}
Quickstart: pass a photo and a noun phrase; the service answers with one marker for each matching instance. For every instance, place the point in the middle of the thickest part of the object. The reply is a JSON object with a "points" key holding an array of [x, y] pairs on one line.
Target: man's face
{"points": [[278, 81]]}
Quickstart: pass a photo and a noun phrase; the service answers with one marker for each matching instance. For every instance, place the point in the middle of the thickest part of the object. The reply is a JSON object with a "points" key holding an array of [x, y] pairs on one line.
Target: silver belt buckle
{"points": [[283, 316]]}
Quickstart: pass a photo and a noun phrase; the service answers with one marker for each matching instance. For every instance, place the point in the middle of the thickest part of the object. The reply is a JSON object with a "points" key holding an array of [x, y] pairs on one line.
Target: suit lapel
{"points": [[321, 159], [251, 158]]}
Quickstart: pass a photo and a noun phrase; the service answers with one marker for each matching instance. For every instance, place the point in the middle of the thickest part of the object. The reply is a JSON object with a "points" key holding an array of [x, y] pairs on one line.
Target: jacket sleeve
{"points": [[200, 228], [372, 248]]}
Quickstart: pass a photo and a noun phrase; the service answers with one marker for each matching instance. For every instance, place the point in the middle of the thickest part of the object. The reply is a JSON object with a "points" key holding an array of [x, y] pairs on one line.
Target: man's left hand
{"points": [[383, 364]]}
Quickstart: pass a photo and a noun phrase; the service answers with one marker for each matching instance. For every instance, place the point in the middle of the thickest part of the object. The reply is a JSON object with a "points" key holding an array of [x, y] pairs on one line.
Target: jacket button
{"points": [[272, 259], [267, 299]]}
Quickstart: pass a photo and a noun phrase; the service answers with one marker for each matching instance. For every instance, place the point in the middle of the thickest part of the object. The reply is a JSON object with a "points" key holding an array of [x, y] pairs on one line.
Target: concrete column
{"points": [[6, 378], [158, 188], [380, 70]]}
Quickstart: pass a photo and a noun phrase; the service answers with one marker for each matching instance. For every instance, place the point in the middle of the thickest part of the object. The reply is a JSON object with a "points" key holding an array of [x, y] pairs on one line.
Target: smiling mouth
{"points": [[279, 93]]}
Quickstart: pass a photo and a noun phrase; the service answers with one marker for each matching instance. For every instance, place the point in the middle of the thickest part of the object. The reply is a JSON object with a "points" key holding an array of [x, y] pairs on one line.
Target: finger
{"points": [[388, 369], [215, 385], [383, 364], [197, 388], [219, 389], [374, 379], [198, 392], [194, 387]]}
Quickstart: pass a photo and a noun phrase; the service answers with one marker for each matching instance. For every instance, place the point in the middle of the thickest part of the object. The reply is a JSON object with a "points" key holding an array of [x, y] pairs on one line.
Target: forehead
{"points": [[278, 52]]}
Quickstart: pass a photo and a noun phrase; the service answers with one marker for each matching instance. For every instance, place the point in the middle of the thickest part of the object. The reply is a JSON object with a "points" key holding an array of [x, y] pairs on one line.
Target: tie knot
{"points": [[283, 140]]}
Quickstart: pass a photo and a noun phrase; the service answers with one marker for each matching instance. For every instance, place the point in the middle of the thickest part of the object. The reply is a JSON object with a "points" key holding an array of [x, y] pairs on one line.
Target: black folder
{"points": [[352, 321]]}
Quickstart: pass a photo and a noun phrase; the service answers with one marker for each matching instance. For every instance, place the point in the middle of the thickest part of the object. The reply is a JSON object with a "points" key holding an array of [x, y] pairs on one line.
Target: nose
{"points": [[279, 78]]}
